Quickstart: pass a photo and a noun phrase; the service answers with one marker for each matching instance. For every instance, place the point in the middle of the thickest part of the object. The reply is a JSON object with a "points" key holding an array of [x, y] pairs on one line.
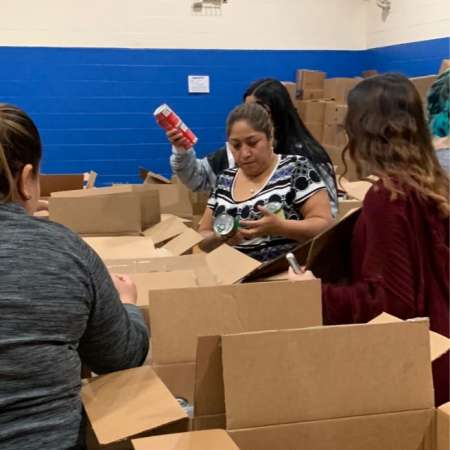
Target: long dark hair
{"points": [[291, 135], [388, 136], [20, 145]]}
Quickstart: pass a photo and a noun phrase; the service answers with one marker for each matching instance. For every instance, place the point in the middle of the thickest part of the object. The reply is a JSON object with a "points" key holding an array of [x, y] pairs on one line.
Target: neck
{"points": [[262, 175]]}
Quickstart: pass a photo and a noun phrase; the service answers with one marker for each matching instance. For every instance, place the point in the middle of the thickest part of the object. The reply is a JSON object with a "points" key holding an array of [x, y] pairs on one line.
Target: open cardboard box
{"points": [[178, 317], [194, 440], [129, 403], [346, 387], [60, 182], [119, 210], [443, 427]]}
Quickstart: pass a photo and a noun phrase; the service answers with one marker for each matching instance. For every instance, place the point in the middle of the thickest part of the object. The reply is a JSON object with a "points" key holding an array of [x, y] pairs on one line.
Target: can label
{"points": [[169, 120]]}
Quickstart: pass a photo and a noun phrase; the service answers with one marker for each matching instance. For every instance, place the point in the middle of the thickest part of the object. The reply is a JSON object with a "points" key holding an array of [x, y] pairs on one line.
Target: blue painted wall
{"points": [[93, 106]]}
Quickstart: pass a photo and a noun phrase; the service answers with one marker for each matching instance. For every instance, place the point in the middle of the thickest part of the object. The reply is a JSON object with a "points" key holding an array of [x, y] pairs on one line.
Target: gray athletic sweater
{"points": [[58, 306]]}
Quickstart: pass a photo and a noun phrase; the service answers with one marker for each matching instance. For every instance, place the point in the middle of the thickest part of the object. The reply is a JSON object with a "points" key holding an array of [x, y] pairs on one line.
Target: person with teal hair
{"points": [[439, 117]]}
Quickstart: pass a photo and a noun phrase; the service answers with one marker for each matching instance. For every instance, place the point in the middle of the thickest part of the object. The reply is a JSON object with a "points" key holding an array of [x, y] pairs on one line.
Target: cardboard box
{"points": [[179, 317], [60, 182], [347, 205], [292, 89], [311, 110], [443, 427], [152, 178], [195, 440], [335, 113], [338, 88], [312, 94], [335, 153], [309, 80], [445, 65], [423, 85], [369, 73], [337, 387], [129, 403], [334, 135], [116, 210], [316, 129]]}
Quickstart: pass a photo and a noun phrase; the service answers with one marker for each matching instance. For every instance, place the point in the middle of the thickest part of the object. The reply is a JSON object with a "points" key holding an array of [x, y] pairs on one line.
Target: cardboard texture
{"points": [[311, 110], [144, 404], [104, 211], [196, 440], [118, 247], [347, 205], [316, 129], [335, 153], [98, 215], [330, 254], [339, 88], [312, 94], [292, 90], [183, 242], [334, 113], [226, 309], [60, 182], [356, 189], [152, 178], [438, 344], [309, 80], [423, 84], [443, 427], [165, 230], [174, 199], [334, 135], [199, 201], [355, 386], [445, 65], [218, 310]]}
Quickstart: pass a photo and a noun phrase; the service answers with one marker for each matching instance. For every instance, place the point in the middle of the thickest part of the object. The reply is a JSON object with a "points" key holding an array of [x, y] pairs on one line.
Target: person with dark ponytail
{"points": [[291, 137], [59, 307]]}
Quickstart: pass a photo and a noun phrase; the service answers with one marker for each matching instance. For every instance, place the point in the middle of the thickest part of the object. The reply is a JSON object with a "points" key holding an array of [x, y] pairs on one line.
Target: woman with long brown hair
{"points": [[400, 243]]}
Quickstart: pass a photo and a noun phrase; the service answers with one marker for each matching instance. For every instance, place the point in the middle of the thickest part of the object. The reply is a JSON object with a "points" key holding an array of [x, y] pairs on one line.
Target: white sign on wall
{"points": [[198, 84]]}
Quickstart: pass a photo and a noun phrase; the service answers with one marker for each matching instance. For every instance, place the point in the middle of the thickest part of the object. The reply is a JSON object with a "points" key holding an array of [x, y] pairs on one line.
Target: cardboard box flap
{"points": [[117, 247], [167, 229], [146, 282], [438, 344], [209, 397], [151, 177], [443, 427], [183, 242], [325, 373], [179, 316], [329, 256], [122, 404], [103, 215], [229, 265], [194, 440], [60, 182], [398, 431], [91, 179], [356, 189]]}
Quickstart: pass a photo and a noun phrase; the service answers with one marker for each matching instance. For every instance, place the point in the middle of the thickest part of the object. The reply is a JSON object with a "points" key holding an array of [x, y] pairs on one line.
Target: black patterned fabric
{"points": [[292, 182]]}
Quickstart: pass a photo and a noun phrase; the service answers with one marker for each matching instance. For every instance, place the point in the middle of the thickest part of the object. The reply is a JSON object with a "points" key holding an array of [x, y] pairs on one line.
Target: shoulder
{"points": [[379, 200]]}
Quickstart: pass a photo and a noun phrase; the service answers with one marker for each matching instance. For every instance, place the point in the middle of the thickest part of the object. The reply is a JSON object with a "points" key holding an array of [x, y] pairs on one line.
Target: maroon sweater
{"points": [[400, 265]]}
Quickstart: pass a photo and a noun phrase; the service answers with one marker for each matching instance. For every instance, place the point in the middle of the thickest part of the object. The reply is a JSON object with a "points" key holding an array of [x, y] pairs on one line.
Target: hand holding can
{"points": [[177, 131]]}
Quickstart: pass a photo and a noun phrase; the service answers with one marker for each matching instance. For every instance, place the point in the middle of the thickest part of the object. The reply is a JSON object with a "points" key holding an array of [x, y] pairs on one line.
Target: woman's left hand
{"points": [[269, 224], [305, 275]]}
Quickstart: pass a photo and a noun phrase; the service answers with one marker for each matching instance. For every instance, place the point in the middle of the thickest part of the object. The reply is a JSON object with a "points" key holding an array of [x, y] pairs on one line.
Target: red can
{"points": [[169, 120]]}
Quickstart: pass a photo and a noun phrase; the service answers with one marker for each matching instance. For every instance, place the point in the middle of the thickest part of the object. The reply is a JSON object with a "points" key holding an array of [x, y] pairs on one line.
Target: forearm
{"points": [[301, 230]]}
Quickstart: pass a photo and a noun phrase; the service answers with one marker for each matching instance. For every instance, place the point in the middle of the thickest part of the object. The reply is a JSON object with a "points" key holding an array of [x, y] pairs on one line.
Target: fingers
{"points": [[176, 139]]}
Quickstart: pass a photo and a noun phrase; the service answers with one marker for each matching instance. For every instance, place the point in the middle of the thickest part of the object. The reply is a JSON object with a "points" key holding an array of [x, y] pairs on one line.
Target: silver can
{"points": [[224, 225]]}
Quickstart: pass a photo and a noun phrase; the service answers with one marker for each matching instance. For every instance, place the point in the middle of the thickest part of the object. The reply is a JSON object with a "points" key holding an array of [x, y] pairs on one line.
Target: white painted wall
{"points": [[408, 21], [243, 24]]}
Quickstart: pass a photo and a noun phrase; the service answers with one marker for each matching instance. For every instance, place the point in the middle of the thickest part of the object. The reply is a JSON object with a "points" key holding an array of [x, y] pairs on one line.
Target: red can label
{"points": [[169, 120]]}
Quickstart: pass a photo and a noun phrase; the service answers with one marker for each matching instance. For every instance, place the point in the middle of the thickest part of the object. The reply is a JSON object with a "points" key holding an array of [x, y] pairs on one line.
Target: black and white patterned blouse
{"points": [[292, 182]]}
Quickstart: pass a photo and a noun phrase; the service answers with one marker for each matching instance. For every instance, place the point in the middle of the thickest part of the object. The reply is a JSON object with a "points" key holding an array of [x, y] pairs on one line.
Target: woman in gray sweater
{"points": [[59, 307]]}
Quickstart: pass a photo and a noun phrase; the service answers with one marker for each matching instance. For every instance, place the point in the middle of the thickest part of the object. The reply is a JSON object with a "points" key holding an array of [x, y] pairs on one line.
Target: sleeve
{"points": [[116, 336], [195, 173], [386, 282], [306, 181]]}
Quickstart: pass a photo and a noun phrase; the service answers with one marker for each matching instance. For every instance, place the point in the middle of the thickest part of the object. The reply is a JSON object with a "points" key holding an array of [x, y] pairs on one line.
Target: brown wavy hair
{"points": [[20, 144], [388, 137]]}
